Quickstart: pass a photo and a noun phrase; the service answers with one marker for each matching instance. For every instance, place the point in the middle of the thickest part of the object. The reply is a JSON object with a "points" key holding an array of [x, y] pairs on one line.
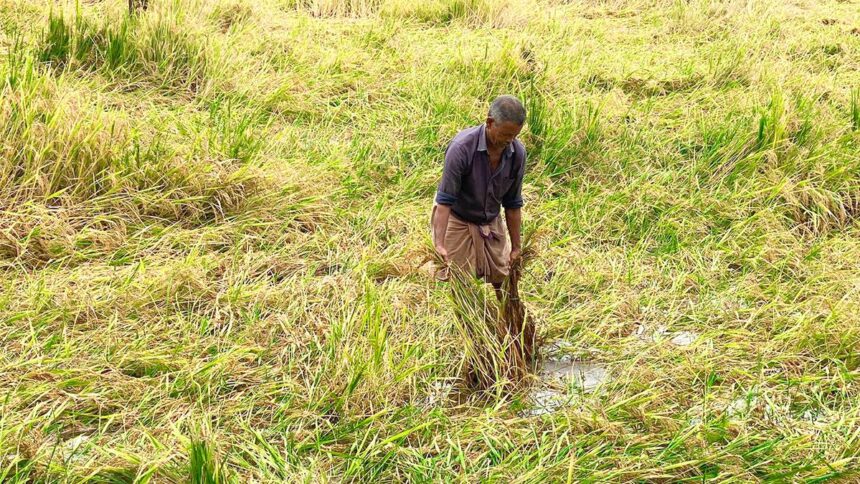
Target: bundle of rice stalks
{"points": [[498, 336], [477, 321], [513, 315]]}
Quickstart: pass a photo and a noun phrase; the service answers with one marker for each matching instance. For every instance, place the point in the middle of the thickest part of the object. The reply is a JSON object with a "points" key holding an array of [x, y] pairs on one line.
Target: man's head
{"points": [[505, 120]]}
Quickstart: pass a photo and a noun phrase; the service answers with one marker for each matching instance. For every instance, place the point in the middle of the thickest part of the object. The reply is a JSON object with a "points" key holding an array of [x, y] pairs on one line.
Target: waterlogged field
{"points": [[213, 218]]}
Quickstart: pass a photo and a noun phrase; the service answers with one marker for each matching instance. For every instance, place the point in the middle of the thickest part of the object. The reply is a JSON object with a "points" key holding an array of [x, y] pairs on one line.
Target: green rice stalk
{"points": [[203, 462], [855, 109]]}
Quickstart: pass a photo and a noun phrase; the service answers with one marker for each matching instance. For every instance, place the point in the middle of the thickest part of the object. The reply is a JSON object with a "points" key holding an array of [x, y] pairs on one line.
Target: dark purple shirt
{"points": [[474, 194]]}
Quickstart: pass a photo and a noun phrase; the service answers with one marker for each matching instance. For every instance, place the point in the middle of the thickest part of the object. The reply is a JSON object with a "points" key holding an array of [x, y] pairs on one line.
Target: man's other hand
{"points": [[443, 253]]}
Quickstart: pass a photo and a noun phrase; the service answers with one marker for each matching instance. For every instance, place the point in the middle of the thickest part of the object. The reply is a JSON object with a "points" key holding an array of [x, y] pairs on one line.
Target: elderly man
{"points": [[483, 172]]}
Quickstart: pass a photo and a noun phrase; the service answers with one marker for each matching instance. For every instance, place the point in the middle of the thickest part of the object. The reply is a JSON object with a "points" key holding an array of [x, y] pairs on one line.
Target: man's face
{"points": [[502, 134]]}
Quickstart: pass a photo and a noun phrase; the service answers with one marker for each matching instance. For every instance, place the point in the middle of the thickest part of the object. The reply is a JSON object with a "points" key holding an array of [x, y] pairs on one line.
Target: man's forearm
{"points": [[513, 218], [440, 224]]}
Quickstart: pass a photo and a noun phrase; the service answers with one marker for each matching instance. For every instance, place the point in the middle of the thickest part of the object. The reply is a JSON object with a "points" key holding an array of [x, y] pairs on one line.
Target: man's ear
{"points": [[490, 121]]}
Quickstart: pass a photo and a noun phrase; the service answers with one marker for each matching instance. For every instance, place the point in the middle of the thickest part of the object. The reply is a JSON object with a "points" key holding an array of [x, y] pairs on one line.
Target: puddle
{"points": [[439, 393], [74, 448], [558, 375], [655, 336], [558, 350], [581, 374], [740, 406], [814, 417], [684, 338], [681, 338], [545, 401]]}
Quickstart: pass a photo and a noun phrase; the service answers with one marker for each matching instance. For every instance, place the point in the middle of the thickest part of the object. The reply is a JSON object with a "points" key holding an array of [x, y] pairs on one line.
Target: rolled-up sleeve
{"points": [[452, 175], [513, 198]]}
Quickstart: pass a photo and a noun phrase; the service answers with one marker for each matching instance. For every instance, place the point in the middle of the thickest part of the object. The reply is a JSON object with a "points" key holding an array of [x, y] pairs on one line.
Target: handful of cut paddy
{"points": [[498, 335]]}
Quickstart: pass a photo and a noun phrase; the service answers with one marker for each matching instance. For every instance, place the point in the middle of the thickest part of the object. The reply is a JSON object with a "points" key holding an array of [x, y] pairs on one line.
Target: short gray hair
{"points": [[508, 109]]}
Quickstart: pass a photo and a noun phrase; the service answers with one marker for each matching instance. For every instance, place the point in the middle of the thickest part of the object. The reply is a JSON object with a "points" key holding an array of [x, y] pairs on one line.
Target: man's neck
{"points": [[491, 146]]}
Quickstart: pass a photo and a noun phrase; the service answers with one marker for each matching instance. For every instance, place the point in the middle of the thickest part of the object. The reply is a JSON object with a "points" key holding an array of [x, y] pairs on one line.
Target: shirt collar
{"points": [[482, 138], [482, 141]]}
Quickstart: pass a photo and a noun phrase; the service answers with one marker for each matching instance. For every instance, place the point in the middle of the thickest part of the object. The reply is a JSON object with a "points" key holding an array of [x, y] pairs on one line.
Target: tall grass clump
{"points": [[203, 463], [434, 12], [772, 124], [818, 172], [57, 147], [234, 131], [57, 41], [563, 137], [469, 11], [53, 144], [338, 8], [153, 49], [723, 146]]}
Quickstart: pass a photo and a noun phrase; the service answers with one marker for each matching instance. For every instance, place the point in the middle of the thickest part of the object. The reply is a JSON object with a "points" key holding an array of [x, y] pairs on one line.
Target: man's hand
{"points": [[443, 253], [441, 213], [513, 218]]}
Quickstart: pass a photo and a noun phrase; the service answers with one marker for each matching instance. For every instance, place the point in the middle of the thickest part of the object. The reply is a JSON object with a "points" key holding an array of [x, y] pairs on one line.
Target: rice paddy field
{"points": [[214, 231]]}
